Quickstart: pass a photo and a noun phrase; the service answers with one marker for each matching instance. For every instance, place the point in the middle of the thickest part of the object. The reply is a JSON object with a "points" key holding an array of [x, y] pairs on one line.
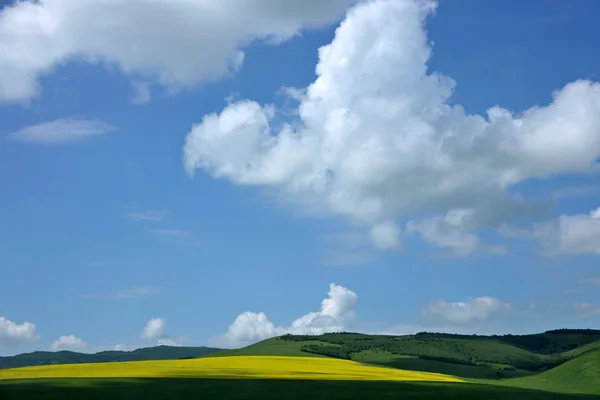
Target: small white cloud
{"points": [[464, 312], [121, 347], [586, 309], [12, 333], [155, 329], [148, 215], [141, 93], [336, 314], [70, 342], [60, 131]]}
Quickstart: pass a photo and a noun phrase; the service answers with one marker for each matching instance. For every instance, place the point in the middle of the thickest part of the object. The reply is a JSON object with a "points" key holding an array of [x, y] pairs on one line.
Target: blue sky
{"points": [[149, 193]]}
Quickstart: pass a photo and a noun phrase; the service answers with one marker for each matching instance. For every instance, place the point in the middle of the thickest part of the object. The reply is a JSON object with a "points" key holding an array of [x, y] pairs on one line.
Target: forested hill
{"points": [[549, 342], [472, 356], [70, 357]]}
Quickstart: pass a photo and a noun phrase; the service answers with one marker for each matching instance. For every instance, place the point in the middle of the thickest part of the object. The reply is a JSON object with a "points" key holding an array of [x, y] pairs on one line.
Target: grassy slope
{"points": [[580, 375], [494, 357], [417, 364]]}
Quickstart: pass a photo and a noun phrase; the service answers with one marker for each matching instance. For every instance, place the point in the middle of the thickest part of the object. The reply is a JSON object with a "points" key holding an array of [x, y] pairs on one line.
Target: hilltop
{"points": [[469, 356], [71, 357]]}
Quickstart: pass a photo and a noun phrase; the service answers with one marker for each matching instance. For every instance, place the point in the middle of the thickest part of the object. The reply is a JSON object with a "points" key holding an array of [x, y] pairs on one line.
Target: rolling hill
{"points": [[467, 356], [70, 357], [579, 375]]}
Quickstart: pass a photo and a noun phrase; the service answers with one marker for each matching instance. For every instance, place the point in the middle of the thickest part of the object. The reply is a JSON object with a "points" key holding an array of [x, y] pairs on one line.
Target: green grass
{"points": [[412, 363], [580, 375], [473, 357], [174, 389]]}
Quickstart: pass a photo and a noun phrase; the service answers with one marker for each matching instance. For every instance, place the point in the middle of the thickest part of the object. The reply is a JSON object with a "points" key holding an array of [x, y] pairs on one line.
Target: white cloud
{"points": [[60, 131], [12, 333], [586, 310], [569, 234], [377, 141], [70, 342], [204, 42], [336, 314], [141, 93], [464, 312], [155, 329], [121, 347], [450, 231], [148, 215], [385, 235]]}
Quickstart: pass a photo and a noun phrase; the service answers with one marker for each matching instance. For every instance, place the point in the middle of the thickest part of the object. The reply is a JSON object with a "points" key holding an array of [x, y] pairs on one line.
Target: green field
{"points": [[476, 357], [580, 375], [561, 364]]}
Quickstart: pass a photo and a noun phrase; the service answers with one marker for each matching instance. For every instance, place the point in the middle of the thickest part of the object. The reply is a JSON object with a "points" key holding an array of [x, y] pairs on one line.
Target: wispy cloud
{"points": [[576, 191], [339, 258], [129, 293], [148, 215], [170, 232], [583, 284], [141, 93], [61, 131], [347, 249], [586, 309]]}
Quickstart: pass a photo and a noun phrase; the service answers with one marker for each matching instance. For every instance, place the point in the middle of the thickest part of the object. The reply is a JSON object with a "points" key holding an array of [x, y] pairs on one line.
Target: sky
{"points": [[196, 173]]}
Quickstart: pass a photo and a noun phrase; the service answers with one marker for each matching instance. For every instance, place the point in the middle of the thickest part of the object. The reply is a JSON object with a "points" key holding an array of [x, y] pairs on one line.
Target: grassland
{"points": [[553, 365], [580, 375], [476, 357], [251, 377]]}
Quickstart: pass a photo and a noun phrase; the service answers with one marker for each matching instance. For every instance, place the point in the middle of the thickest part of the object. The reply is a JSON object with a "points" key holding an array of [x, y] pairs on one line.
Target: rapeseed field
{"points": [[267, 367]]}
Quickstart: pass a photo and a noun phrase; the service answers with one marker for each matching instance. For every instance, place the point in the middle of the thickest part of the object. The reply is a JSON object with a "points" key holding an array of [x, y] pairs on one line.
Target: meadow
{"points": [[555, 365]]}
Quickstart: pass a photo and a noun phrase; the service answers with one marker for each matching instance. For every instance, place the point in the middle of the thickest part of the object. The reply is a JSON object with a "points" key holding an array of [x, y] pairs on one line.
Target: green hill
{"points": [[70, 357], [580, 375], [469, 356], [270, 347]]}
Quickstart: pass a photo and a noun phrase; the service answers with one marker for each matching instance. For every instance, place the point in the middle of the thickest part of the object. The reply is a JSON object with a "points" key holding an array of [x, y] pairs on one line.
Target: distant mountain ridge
{"points": [[71, 357]]}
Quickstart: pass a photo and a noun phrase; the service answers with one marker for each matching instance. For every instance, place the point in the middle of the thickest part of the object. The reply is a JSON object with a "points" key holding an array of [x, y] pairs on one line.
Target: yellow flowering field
{"points": [[268, 367]]}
